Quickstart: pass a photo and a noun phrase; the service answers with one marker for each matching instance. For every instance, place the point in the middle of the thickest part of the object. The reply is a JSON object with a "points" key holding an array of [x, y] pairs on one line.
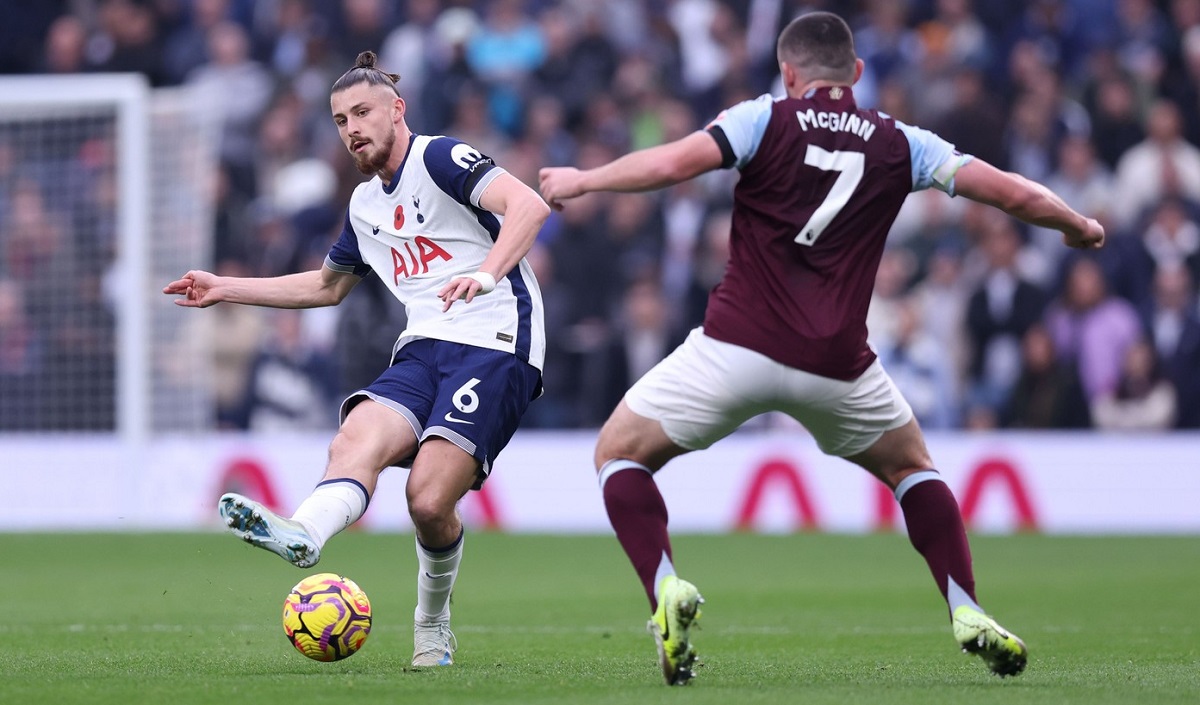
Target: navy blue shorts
{"points": [[471, 396]]}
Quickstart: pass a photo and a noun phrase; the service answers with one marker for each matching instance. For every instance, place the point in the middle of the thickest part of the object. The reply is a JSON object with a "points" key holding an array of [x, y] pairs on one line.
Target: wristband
{"points": [[487, 283]]}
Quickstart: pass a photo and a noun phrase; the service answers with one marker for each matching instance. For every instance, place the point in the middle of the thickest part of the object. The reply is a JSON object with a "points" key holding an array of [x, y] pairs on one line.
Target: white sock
{"points": [[332, 506], [436, 571], [958, 597], [665, 569]]}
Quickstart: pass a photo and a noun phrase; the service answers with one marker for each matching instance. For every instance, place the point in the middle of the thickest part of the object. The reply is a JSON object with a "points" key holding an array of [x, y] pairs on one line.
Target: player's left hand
{"points": [[558, 183], [464, 288]]}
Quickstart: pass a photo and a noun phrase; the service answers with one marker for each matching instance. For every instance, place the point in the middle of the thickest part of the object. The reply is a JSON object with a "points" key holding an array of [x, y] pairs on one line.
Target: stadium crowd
{"points": [[981, 321]]}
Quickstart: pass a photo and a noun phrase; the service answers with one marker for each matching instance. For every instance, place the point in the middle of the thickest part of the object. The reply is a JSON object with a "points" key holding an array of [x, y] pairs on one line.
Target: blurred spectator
{"points": [[508, 48], [1181, 83], [940, 299], [1085, 184], [186, 49], [1081, 180], [700, 26], [896, 270], [974, 119], [1170, 239], [291, 383], [1144, 36], [1059, 30], [361, 25], [920, 366], [369, 322], [1115, 124], [232, 73], [635, 226], [1032, 137], [38, 252], [1091, 328], [66, 46], [450, 74], [128, 40], [81, 361], [705, 269], [1164, 164], [580, 61], [234, 335], [1173, 325], [1048, 393], [1000, 311], [557, 407], [407, 47], [967, 41], [1144, 399], [884, 42], [22, 359], [643, 335], [545, 128]]}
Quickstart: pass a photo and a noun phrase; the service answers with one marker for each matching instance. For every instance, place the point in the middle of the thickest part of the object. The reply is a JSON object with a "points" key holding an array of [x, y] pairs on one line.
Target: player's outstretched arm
{"points": [[320, 287], [643, 170], [1027, 200], [524, 212]]}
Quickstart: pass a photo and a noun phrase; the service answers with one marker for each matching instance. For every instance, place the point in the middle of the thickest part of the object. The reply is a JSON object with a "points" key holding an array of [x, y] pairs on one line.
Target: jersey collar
{"points": [[391, 186]]}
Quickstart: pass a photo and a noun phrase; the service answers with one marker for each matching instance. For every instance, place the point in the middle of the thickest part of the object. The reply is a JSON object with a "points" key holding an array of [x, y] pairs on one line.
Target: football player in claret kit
{"points": [[439, 223], [785, 329]]}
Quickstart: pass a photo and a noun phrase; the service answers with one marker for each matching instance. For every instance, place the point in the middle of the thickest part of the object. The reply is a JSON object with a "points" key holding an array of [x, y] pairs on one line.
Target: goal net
{"points": [[104, 197]]}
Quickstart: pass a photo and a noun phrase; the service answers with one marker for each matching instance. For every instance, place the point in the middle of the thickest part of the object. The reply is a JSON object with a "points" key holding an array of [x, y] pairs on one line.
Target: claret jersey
{"points": [[821, 183], [427, 227]]}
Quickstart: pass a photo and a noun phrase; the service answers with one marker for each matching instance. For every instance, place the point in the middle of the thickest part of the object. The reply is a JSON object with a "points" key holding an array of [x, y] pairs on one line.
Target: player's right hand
{"points": [[558, 183], [1091, 238], [196, 287]]}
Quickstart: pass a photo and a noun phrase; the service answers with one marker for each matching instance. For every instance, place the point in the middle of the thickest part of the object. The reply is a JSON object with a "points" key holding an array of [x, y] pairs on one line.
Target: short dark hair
{"points": [[365, 71], [820, 46]]}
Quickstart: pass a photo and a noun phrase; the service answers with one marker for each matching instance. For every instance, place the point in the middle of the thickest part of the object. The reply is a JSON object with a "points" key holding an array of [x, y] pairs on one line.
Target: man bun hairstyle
{"points": [[819, 45], [365, 71]]}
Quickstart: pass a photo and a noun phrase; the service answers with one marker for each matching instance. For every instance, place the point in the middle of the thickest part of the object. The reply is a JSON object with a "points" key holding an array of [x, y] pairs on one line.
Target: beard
{"points": [[371, 161]]}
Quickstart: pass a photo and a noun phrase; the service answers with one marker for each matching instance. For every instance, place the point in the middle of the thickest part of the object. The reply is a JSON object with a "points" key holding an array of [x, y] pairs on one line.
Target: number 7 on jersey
{"points": [[850, 167]]}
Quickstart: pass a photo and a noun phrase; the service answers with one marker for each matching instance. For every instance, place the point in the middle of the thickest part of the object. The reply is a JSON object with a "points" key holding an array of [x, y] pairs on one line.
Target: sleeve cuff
{"points": [[728, 158]]}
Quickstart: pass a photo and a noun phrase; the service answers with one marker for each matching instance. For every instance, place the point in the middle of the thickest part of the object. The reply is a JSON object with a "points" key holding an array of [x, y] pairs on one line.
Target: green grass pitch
{"points": [[194, 618]]}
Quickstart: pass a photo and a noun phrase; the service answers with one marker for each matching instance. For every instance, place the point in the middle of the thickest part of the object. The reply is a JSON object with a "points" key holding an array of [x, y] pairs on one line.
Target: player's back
{"points": [[819, 191]]}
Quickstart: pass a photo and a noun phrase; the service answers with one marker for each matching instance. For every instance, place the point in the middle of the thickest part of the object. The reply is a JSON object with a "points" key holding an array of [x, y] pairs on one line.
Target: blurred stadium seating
{"points": [[983, 322]]}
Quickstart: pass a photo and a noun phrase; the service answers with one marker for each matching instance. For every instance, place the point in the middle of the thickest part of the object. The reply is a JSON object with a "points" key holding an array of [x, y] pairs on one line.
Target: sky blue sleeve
{"points": [[934, 160], [460, 170], [739, 130], [344, 255]]}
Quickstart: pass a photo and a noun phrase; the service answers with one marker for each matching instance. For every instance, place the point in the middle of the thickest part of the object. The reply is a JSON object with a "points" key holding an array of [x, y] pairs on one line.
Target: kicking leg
{"points": [[372, 438], [935, 528]]}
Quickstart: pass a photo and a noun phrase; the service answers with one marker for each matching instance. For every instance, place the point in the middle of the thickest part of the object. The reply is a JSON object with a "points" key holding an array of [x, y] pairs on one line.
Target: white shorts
{"points": [[706, 388]]}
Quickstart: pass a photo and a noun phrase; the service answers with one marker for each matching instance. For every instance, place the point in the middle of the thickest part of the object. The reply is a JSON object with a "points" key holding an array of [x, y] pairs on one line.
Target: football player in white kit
{"points": [[439, 223]]}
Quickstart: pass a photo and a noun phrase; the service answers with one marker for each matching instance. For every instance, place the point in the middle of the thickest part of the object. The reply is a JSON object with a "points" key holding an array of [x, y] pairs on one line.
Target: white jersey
{"points": [[427, 227]]}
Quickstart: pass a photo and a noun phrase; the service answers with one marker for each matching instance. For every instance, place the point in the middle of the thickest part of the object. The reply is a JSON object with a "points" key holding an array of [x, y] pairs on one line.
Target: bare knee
{"points": [[609, 446], [430, 513], [631, 437], [897, 454], [352, 457]]}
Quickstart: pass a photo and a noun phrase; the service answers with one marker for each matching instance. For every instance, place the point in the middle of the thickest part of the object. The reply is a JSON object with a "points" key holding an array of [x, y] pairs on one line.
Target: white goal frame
{"points": [[129, 96]]}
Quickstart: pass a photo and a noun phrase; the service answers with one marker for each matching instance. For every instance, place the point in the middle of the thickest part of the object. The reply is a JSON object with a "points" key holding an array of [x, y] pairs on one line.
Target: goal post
{"points": [[82, 210]]}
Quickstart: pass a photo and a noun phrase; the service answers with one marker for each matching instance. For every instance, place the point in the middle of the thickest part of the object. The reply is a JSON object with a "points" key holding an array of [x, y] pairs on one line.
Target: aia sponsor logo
{"points": [[416, 257]]}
